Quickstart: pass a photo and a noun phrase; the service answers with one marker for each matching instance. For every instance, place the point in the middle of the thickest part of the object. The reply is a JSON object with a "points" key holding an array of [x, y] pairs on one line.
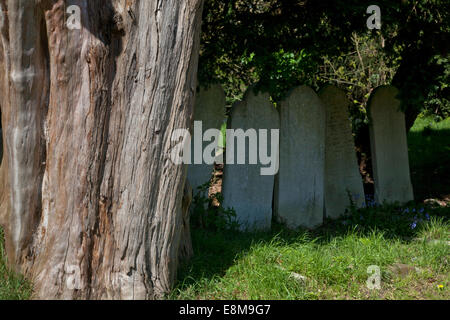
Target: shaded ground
{"points": [[409, 244], [429, 157], [334, 260]]}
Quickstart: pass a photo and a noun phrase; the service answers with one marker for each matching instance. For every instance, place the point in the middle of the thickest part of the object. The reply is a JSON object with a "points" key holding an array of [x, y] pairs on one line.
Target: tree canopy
{"points": [[280, 44]]}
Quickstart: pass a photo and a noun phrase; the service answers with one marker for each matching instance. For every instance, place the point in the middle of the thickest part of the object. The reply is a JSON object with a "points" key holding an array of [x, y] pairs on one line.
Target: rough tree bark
{"points": [[91, 203]]}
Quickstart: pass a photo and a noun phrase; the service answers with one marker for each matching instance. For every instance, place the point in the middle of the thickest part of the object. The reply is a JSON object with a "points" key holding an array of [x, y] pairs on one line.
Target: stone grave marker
{"points": [[299, 192], [245, 188], [389, 147], [342, 177], [210, 110]]}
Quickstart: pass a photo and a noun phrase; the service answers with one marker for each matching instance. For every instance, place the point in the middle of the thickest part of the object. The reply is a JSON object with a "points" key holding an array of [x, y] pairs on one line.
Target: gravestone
{"points": [[210, 110], [245, 188], [389, 147], [299, 192], [342, 177]]}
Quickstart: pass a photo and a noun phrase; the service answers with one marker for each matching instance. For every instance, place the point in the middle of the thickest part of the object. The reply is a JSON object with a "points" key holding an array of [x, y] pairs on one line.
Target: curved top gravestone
{"points": [[342, 177], [299, 192], [247, 187], [389, 147], [210, 110]]}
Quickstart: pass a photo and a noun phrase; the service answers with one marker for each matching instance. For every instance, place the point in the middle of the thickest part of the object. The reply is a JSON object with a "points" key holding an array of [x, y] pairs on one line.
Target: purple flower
{"points": [[372, 203], [413, 225], [427, 216], [421, 210], [406, 210]]}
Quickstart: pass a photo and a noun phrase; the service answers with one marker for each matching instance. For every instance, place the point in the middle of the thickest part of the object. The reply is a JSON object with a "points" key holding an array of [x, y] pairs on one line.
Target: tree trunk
{"points": [[91, 203]]}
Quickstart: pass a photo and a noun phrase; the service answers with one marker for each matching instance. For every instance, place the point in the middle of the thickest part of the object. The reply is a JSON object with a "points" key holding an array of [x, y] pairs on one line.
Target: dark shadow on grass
{"points": [[429, 153], [216, 252], [429, 156]]}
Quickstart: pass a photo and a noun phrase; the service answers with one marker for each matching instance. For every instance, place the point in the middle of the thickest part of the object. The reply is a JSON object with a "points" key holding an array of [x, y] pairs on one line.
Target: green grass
{"points": [[12, 285], [429, 157], [335, 257]]}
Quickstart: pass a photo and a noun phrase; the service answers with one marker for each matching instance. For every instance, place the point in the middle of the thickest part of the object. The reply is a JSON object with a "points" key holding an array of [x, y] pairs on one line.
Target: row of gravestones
{"points": [[318, 168]]}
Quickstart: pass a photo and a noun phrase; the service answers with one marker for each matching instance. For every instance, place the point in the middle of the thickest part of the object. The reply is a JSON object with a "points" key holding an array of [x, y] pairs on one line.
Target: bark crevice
{"points": [[95, 207]]}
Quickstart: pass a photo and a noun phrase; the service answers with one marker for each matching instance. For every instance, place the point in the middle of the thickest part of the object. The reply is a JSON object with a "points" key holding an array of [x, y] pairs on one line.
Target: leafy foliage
{"points": [[437, 102], [358, 72], [206, 216], [280, 44]]}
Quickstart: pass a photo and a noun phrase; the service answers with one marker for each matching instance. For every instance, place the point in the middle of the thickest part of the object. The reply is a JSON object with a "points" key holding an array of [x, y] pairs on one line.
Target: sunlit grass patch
{"points": [[333, 260], [12, 285]]}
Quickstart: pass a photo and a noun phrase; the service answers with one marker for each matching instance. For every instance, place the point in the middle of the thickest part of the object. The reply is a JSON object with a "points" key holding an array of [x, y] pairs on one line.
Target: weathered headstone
{"points": [[299, 192], [389, 147], [342, 177], [210, 110], [245, 188]]}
